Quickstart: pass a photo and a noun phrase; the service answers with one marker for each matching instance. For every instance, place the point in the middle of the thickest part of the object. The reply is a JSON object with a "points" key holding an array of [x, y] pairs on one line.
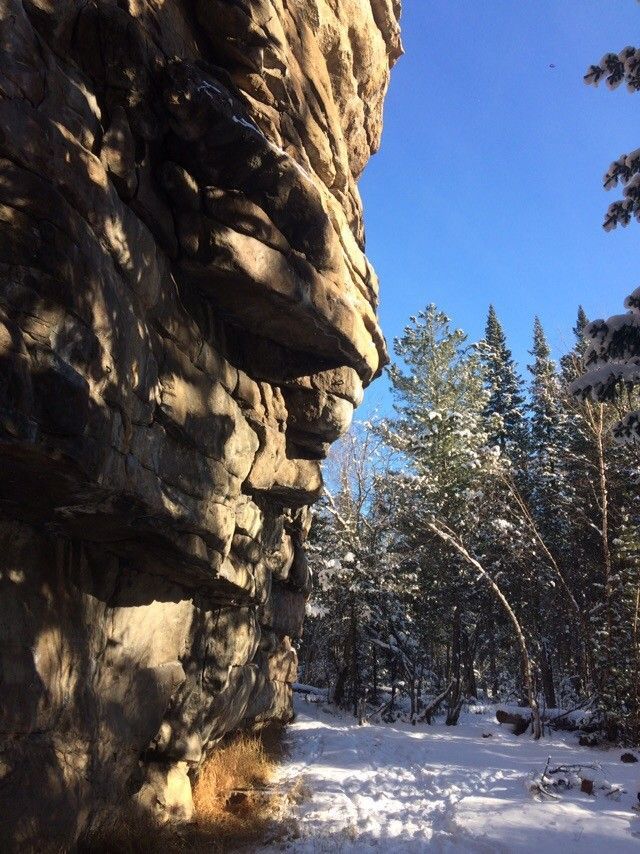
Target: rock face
{"points": [[187, 321]]}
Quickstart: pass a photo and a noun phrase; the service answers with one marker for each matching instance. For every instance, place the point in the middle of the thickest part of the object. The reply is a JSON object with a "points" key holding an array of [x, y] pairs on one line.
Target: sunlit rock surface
{"points": [[187, 321]]}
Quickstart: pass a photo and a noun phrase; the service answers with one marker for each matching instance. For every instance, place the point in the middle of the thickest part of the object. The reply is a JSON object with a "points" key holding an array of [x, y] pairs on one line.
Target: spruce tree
{"points": [[572, 363], [440, 402], [547, 496], [582, 321], [505, 407], [347, 553], [544, 406], [624, 690], [440, 432]]}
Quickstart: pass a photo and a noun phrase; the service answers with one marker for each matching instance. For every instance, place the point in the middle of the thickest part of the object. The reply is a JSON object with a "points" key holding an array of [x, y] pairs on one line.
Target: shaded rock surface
{"points": [[187, 321]]}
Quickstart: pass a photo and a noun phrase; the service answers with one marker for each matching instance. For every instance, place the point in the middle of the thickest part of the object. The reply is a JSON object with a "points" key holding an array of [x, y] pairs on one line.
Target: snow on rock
{"points": [[398, 788]]}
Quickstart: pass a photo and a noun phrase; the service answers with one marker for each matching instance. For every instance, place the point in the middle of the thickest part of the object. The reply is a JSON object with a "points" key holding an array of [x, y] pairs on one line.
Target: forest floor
{"points": [[399, 788]]}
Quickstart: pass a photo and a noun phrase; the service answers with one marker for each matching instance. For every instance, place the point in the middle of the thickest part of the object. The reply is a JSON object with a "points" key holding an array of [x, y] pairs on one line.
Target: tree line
{"points": [[482, 541]]}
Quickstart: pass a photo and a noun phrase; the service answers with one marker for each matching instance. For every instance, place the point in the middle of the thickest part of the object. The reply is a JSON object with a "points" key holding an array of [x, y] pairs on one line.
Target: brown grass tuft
{"points": [[238, 766], [236, 806], [232, 795]]}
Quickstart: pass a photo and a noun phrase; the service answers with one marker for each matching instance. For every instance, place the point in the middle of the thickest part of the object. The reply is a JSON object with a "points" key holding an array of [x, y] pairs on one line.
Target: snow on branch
{"points": [[616, 68], [612, 358]]}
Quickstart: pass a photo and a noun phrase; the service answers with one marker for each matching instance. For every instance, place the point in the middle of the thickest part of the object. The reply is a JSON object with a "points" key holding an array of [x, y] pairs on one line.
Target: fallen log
{"points": [[564, 721], [519, 723]]}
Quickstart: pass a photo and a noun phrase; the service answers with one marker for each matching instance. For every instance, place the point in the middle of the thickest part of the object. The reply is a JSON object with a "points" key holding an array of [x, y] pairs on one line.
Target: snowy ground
{"points": [[397, 788]]}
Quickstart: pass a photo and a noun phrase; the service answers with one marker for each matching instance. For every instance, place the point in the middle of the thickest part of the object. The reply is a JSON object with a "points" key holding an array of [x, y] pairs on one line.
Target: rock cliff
{"points": [[187, 321]]}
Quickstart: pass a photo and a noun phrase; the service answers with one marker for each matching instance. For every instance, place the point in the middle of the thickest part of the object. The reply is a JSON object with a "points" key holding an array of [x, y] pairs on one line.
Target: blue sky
{"points": [[488, 186]]}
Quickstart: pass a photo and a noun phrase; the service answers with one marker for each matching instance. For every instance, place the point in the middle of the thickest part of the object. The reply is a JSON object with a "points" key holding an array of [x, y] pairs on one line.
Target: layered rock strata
{"points": [[187, 321]]}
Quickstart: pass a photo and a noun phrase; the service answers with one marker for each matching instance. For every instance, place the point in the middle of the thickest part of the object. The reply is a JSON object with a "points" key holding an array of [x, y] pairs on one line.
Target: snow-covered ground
{"points": [[398, 788]]}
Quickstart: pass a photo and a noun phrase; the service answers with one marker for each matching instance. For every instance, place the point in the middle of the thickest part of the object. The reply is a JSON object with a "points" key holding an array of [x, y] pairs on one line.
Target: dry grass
{"points": [[240, 765], [128, 830], [232, 792], [236, 806]]}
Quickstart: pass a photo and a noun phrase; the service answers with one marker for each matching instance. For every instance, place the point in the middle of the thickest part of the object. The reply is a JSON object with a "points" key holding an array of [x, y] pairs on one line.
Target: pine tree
{"points": [[548, 502], [353, 633], [624, 691], [603, 544], [545, 407], [440, 432], [505, 407], [572, 363], [612, 363], [612, 358], [440, 400], [616, 68], [582, 321]]}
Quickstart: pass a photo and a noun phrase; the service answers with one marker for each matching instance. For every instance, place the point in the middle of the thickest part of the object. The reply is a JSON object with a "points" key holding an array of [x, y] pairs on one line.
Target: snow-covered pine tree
{"points": [[440, 401], [572, 363], [546, 473], [545, 408], [450, 478], [602, 543], [439, 433], [624, 696], [581, 550], [612, 363], [507, 426], [615, 69], [612, 357], [547, 498], [358, 632], [505, 408]]}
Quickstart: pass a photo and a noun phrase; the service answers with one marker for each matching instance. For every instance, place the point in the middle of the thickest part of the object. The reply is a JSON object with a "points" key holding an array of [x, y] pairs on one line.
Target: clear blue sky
{"points": [[488, 184]]}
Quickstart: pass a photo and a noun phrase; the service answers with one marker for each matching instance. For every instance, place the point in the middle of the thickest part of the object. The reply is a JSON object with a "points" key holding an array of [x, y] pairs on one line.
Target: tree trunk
{"points": [[469, 686], [522, 686], [546, 672], [338, 693], [355, 671], [454, 706], [432, 707], [527, 667], [412, 694], [393, 674], [606, 552], [374, 673], [493, 666]]}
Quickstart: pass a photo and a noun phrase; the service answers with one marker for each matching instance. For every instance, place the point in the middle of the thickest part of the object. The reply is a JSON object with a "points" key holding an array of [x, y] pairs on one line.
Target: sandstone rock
{"points": [[300, 574], [118, 154], [316, 417], [283, 612], [167, 789], [280, 560], [187, 320], [181, 187]]}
